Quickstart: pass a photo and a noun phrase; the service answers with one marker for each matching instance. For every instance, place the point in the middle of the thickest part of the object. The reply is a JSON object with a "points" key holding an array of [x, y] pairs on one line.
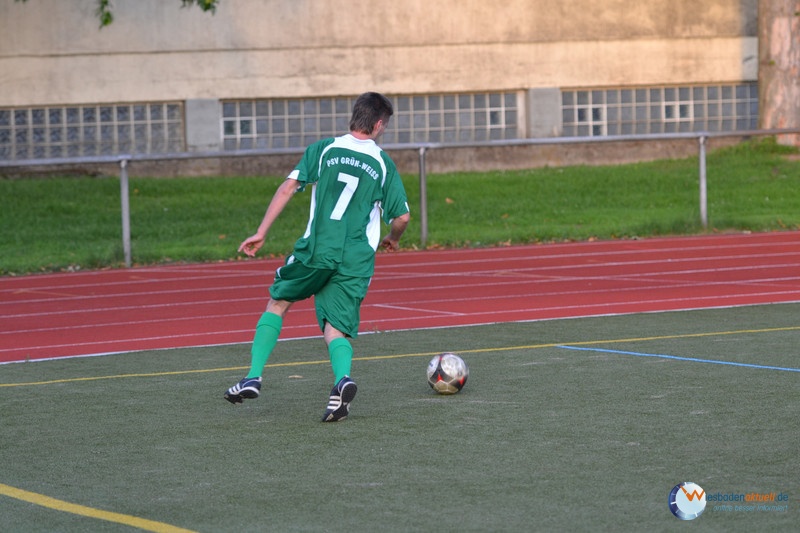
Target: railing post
{"points": [[126, 210], [703, 183], [423, 200]]}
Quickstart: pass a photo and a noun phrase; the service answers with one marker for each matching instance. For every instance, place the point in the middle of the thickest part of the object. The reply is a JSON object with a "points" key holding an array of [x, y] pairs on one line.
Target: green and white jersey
{"points": [[354, 185]]}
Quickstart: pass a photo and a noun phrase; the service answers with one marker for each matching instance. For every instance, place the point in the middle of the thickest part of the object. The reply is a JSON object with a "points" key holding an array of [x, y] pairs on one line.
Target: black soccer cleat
{"points": [[247, 388], [339, 403]]}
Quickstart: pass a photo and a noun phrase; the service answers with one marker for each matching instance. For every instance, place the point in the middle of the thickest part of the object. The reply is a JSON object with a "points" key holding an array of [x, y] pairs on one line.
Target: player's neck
{"points": [[361, 136]]}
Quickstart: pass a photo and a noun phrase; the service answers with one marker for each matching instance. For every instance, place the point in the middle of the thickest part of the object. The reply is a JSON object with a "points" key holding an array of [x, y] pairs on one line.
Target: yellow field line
{"points": [[61, 505], [420, 354], [122, 376]]}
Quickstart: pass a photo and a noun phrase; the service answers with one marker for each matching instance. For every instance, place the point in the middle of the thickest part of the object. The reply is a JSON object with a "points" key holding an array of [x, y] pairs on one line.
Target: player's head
{"points": [[369, 109]]}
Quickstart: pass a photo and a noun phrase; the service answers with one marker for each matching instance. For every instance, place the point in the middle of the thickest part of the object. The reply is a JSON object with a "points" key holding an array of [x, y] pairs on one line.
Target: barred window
{"points": [[90, 130], [637, 111], [283, 123], [454, 118], [293, 123]]}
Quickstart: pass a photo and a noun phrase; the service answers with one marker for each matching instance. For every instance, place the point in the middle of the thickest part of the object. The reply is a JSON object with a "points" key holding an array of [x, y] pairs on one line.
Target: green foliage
{"points": [[205, 5], [106, 16], [61, 223], [103, 12]]}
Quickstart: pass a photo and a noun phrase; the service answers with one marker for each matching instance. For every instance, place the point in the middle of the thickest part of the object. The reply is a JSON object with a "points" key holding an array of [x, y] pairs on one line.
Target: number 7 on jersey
{"points": [[350, 186]]}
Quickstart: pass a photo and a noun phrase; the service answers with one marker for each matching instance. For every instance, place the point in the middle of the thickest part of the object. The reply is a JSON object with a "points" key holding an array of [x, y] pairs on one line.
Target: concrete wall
{"points": [[52, 52]]}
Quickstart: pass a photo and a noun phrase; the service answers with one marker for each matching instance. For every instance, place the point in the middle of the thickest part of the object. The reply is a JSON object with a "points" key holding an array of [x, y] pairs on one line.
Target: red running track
{"points": [[96, 312]]}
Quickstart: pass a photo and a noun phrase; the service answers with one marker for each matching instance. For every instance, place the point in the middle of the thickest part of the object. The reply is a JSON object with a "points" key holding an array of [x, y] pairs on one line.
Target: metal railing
{"points": [[123, 160]]}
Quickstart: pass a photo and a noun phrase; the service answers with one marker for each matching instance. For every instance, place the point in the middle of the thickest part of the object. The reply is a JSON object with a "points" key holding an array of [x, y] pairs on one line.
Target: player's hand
{"points": [[390, 244], [251, 245]]}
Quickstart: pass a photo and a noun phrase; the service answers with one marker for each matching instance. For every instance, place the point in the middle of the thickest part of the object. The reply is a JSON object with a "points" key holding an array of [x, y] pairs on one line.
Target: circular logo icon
{"points": [[687, 500]]}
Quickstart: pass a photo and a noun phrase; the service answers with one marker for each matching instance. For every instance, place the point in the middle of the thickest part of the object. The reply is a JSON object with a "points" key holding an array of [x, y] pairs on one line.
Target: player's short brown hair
{"points": [[369, 108]]}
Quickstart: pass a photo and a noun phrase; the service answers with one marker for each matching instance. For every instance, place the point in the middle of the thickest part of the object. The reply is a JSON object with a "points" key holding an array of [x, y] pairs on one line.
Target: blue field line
{"points": [[677, 358]]}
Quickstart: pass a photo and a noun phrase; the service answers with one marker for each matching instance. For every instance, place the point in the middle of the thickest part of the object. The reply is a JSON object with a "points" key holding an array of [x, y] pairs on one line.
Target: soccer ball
{"points": [[447, 373]]}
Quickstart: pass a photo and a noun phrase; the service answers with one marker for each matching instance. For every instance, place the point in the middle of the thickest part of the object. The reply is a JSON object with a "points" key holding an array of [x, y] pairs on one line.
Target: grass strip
{"points": [[70, 223]]}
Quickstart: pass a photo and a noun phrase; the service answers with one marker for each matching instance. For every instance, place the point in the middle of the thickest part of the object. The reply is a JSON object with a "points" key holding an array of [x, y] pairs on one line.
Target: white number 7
{"points": [[350, 185]]}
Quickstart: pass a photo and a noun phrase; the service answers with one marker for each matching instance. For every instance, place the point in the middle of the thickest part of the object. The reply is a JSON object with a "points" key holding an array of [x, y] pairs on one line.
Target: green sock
{"points": [[267, 331], [341, 353]]}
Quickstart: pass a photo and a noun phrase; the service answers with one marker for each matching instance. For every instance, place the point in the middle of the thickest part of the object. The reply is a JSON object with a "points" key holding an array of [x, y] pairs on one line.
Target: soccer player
{"points": [[353, 185]]}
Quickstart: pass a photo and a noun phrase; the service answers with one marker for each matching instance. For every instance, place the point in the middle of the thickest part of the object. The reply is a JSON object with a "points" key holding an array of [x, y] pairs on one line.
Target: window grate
{"points": [[90, 130], [293, 123], [638, 111]]}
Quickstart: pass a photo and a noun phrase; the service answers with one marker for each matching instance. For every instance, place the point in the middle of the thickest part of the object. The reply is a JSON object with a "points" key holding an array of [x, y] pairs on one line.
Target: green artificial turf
{"points": [[565, 425]]}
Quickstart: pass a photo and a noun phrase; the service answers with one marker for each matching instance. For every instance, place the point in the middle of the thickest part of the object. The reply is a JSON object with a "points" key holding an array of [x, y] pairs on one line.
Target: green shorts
{"points": [[337, 298]]}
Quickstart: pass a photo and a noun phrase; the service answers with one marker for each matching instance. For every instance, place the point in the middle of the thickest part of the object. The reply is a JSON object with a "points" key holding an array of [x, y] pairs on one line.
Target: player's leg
{"points": [[338, 311], [293, 282], [266, 336], [340, 352], [268, 329]]}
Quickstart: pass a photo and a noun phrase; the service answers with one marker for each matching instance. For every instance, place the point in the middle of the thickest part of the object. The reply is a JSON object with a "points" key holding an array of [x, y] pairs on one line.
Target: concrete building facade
{"points": [[280, 73]]}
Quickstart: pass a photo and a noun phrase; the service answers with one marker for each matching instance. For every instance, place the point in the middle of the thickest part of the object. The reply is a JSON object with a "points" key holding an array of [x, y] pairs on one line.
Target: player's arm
{"points": [[285, 191], [396, 229]]}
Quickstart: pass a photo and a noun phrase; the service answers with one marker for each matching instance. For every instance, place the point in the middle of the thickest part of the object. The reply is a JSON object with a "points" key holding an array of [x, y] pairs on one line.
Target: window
{"points": [[293, 123], [636, 111], [89, 130]]}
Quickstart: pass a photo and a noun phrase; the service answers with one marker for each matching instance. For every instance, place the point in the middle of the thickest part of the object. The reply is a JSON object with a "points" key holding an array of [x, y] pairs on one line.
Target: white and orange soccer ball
{"points": [[447, 373]]}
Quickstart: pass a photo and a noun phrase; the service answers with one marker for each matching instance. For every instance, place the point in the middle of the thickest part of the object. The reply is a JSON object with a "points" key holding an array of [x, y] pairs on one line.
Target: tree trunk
{"points": [[779, 66]]}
